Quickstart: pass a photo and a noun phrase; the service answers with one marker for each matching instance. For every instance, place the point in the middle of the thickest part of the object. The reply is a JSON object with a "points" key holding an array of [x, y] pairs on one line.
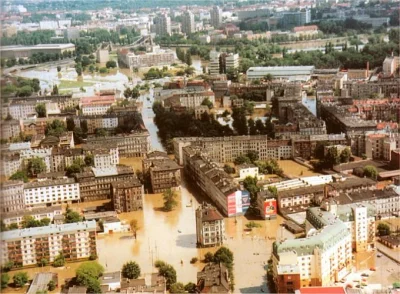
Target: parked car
{"points": [[379, 255], [372, 269], [364, 275]]}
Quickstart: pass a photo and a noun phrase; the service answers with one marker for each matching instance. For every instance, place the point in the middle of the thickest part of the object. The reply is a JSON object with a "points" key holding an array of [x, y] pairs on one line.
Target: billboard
{"points": [[270, 208], [231, 199], [245, 200], [238, 196]]}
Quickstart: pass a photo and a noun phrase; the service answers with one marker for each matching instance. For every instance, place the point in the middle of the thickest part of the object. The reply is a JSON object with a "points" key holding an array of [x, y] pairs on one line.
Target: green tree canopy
{"points": [[167, 271], [87, 274], [41, 110], [383, 229], [72, 216], [20, 279], [131, 270], [19, 176], [36, 165], [177, 288], [371, 172], [169, 197], [5, 279]]}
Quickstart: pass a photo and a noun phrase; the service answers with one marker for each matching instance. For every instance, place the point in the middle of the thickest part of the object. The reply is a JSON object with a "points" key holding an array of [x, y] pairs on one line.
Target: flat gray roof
{"points": [[38, 47]]}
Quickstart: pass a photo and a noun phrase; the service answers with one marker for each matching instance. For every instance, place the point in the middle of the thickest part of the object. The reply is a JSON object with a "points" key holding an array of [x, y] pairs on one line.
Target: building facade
{"points": [[46, 192], [162, 25], [210, 226], [216, 17], [127, 196], [12, 196], [188, 24], [27, 247]]}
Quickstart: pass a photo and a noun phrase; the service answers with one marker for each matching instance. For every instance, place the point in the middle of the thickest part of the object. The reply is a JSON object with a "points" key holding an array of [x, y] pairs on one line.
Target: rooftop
{"points": [[109, 278], [37, 47], [39, 283], [33, 211], [47, 183], [132, 183]]}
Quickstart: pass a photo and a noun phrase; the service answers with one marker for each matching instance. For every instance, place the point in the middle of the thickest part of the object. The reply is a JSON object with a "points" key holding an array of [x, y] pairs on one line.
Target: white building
{"points": [[162, 25], [38, 214], [300, 73], [76, 241], [232, 61], [156, 58], [102, 55], [247, 170], [44, 153], [45, 192], [10, 129], [21, 110], [111, 280], [390, 65], [214, 64], [10, 163]]}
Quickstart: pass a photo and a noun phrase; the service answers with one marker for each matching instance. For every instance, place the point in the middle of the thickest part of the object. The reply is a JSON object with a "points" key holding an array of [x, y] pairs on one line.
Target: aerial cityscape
{"points": [[202, 146]]}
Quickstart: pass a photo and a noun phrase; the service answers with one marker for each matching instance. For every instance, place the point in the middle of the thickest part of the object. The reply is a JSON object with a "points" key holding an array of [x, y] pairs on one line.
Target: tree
{"points": [[89, 160], [250, 184], [225, 256], [332, 157], [55, 128], [13, 226], [371, 172], [5, 278], [29, 221], [87, 274], [208, 257], [70, 124], [58, 68], [345, 155], [43, 262], [131, 270], [167, 271], [134, 226], [228, 169], [72, 216], [169, 198], [252, 155], [383, 229], [241, 159], [190, 287], [100, 132], [36, 165], [188, 58], [207, 103], [59, 260], [8, 117], [20, 279], [273, 190], [8, 266], [55, 90], [268, 77], [24, 91], [41, 110], [177, 288], [19, 176], [51, 285], [111, 64]]}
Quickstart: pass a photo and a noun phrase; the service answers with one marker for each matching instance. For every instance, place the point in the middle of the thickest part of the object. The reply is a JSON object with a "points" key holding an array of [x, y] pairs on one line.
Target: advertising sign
{"points": [[270, 208], [245, 200], [238, 195], [231, 199]]}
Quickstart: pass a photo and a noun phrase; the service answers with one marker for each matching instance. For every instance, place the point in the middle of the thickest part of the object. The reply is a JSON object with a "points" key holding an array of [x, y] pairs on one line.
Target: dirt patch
{"points": [[294, 169]]}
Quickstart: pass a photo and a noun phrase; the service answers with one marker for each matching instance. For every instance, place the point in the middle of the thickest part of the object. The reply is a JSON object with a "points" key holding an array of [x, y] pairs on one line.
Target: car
{"points": [[364, 275], [372, 269], [379, 255]]}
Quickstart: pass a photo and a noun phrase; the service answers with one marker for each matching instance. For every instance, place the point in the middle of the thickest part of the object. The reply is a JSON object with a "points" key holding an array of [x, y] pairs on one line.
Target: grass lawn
{"points": [[73, 84]]}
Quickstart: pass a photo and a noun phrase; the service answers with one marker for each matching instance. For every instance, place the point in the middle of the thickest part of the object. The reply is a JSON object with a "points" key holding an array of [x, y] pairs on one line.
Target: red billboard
{"points": [[270, 207], [231, 199]]}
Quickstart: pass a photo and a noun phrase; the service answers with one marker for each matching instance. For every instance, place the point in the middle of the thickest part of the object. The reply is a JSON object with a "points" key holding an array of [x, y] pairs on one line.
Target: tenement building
{"points": [[95, 183], [48, 192], [12, 196], [226, 149], [127, 196], [17, 217], [212, 181], [136, 144], [164, 172], [210, 226], [27, 247]]}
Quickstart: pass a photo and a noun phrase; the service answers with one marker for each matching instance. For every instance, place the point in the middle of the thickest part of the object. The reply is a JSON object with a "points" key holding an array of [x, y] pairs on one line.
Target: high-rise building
{"points": [[214, 66], [210, 227], [188, 25], [162, 25], [216, 17]]}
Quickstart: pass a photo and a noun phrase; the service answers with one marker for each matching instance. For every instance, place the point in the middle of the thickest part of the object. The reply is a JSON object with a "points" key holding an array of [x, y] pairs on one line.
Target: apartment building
{"points": [[106, 121], [383, 87], [390, 65], [21, 110], [61, 158], [136, 144], [127, 196], [10, 163], [189, 98], [164, 172], [95, 184], [16, 217], [210, 226], [162, 25], [216, 17], [321, 259], [380, 146], [188, 24], [155, 58], [98, 105], [63, 101], [226, 149], [12, 196], [212, 181], [213, 277], [45, 192], [10, 129], [26, 247]]}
